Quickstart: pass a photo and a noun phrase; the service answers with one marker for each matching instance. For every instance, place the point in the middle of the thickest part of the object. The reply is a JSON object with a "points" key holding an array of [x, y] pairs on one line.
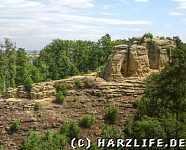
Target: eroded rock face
{"points": [[115, 63], [138, 64], [138, 60]]}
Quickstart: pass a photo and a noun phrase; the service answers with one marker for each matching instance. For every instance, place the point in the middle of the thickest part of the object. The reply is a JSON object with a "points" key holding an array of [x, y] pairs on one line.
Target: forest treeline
{"points": [[57, 60]]}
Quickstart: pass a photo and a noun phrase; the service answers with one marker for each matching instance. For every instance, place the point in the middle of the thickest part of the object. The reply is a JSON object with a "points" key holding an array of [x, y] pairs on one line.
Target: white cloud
{"points": [[176, 14], [181, 4], [38, 21], [143, 1]]}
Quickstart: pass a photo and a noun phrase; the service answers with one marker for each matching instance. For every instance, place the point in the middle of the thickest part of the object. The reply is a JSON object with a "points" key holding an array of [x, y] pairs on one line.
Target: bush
{"points": [[47, 141], [148, 129], [37, 106], [15, 126], [28, 84], [62, 88], [59, 98], [136, 103], [148, 35], [112, 114], [87, 121], [70, 129], [111, 132], [77, 83]]}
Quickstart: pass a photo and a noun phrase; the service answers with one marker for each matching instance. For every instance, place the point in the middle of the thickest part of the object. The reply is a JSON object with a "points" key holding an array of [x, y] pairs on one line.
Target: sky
{"points": [[32, 24]]}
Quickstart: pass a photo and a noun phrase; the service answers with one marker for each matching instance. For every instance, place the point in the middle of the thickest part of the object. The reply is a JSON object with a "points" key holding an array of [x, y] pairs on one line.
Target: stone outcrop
{"points": [[126, 63], [137, 60]]}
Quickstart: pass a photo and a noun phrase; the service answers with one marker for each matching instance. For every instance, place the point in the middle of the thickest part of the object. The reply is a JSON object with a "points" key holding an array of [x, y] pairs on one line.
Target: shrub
{"points": [[77, 83], [136, 103], [111, 132], [87, 121], [62, 88], [59, 98], [112, 114], [37, 106], [28, 84], [148, 129], [70, 129], [15, 126], [47, 141], [148, 35]]}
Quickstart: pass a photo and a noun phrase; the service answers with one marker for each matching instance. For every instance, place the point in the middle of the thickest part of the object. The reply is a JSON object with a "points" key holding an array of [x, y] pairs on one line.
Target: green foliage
{"points": [[136, 103], [59, 98], [148, 35], [109, 132], [65, 58], [28, 84], [77, 83], [112, 114], [148, 129], [70, 129], [62, 92], [37, 106], [15, 126], [62, 88], [21, 66], [47, 141], [87, 121]]}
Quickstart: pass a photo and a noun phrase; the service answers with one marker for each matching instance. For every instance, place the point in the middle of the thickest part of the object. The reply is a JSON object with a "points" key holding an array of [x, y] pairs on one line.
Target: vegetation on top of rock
{"points": [[148, 35], [28, 84], [77, 83], [62, 92], [59, 97], [15, 126], [136, 103], [70, 129], [37, 106], [111, 132], [112, 114], [61, 87], [87, 121]]}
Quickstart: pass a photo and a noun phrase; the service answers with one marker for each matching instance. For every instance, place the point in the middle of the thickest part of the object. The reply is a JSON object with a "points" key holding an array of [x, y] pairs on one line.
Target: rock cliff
{"points": [[137, 60]]}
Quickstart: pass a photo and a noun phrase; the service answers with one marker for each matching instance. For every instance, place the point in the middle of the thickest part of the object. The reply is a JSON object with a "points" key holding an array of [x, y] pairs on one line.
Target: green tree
{"points": [[3, 70], [106, 44], [21, 66], [10, 52]]}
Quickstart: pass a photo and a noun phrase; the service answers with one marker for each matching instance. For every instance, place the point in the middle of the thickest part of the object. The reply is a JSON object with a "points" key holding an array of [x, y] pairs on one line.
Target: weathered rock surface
{"points": [[138, 60]]}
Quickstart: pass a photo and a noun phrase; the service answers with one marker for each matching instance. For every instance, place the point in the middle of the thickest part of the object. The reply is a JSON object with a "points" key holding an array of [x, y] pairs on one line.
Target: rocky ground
{"points": [[79, 102]]}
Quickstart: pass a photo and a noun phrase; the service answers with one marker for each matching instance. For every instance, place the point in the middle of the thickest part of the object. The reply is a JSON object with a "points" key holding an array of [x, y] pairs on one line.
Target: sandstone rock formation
{"points": [[137, 60], [125, 68]]}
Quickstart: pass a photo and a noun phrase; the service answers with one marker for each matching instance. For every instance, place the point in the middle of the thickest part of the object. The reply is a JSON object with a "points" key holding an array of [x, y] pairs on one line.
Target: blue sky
{"points": [[34, 23]]}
